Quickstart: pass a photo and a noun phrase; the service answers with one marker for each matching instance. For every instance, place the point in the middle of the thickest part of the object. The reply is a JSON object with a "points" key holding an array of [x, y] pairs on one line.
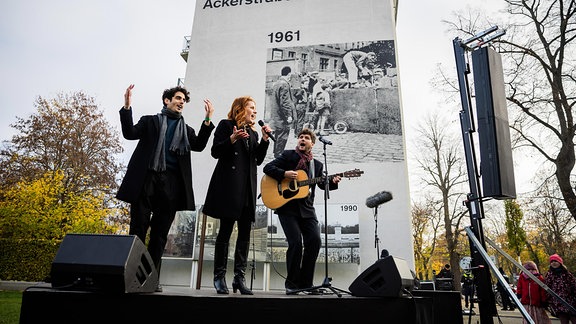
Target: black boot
{"points": [[220, 261], [158, 286], [240, 262]]}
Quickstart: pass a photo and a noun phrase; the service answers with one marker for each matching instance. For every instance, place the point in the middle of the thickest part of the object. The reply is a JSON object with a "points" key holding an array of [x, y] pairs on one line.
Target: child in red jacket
{"points": [[532, 296]]}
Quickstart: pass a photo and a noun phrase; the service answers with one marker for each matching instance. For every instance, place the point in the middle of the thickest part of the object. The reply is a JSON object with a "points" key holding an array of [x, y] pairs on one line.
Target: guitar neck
{"points": [[317, 179]]}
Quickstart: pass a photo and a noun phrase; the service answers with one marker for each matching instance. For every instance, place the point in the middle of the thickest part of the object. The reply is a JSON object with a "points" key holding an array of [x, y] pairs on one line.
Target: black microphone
{"points": [[325, 141], [261, 123], [378, 199], [384, 254]]}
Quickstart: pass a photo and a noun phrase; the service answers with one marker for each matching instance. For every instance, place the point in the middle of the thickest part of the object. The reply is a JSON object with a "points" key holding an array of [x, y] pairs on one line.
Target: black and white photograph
{"points": [[343, 91], [342, 232], [182, 237]]}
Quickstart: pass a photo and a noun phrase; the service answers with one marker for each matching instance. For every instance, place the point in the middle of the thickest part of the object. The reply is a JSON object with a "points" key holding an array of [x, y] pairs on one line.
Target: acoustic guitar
{"points": [[275, 194]]}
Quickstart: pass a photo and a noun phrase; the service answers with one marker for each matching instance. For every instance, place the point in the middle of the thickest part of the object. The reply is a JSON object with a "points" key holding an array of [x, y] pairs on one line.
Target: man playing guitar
{"points": [[298, 216]]}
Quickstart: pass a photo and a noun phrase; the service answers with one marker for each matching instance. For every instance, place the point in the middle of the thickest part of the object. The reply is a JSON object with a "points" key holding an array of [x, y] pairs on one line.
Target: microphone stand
{"points": [[376, 239], [327, 280], [253, 263]]}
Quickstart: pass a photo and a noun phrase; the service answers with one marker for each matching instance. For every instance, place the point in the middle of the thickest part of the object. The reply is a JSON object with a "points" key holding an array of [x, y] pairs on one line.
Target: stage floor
{"points": [[41, 304]]}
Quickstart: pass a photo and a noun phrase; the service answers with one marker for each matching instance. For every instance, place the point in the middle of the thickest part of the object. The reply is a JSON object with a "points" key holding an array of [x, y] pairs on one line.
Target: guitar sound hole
{"points": [[293, 186], [287, 194]]}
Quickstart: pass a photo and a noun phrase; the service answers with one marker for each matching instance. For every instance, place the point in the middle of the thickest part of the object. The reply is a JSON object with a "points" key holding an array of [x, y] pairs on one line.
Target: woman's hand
{"points": [[238, 134], [265, 131]]}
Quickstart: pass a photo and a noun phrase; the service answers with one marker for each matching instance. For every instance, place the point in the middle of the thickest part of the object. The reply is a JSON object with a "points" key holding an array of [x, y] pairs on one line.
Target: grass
{"points": [[10, 302]]}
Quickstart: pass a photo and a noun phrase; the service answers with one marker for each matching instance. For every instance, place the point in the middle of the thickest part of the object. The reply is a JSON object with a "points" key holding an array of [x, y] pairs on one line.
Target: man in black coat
{"points": [[298, 216], [158, 180], [507, 303]]}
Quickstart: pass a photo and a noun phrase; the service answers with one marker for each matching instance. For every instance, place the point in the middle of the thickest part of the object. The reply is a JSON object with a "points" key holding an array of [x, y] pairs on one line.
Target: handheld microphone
{"points": [[261, 123], [325, 141], [378, 199]]}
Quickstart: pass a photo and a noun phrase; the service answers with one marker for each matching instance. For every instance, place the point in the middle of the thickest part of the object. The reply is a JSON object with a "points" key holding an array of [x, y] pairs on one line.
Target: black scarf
{"points": [[179, 144]]}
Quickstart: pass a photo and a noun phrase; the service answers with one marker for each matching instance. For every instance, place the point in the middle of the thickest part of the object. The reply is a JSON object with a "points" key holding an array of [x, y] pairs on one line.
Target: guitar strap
{"points": [[311, 175], [311, 170]]}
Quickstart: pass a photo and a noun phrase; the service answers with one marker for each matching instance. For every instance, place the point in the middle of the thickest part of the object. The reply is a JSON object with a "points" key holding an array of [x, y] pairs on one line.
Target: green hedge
{"points": [[27, 260]]}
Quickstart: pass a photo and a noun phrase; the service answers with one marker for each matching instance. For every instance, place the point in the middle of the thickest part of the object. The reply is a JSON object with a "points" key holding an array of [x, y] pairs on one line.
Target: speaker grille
{"points": [[496, 165], [385, 278], [104, 263]]}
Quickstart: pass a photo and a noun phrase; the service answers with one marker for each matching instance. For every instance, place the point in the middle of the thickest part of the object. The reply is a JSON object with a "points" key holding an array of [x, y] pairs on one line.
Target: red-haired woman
{"points": [[231, 195]]}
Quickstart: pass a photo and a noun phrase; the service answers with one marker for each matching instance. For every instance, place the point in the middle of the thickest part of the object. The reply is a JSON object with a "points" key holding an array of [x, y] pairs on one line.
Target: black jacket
{"points": [[233, 183], [146, 132]]}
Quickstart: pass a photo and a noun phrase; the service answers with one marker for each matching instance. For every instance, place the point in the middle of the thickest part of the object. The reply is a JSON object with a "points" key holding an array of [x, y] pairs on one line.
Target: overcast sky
{"points": [[102, 46]]}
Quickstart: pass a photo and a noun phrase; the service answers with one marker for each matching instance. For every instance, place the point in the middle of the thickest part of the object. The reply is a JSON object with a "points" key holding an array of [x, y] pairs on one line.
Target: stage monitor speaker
{"points": [[496, 165], [103, 263], [387, 277]]}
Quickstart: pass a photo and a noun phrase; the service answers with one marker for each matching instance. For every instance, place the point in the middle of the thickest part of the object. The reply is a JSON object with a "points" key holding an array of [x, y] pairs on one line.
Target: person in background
{"points": [[532, 296], [445, 278], [446, 272], [323, 107], [467, 281], [340, 82], [298, 216], [231, 195], [301, 98], [506, 302], [563, 283], [158, 180], [282, 110], [358, 65]]}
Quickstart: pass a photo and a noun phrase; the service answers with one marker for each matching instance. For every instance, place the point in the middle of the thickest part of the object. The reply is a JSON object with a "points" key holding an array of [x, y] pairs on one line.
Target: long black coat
{"points": [[233, 182], [146, 131]]}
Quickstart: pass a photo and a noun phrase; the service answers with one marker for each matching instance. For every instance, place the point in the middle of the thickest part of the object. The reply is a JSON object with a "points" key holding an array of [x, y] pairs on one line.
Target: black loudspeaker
{"points": [[103, 263], [496, 165], [387, 277]]}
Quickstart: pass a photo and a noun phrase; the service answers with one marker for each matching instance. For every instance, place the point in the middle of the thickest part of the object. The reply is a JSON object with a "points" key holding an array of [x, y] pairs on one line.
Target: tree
{"points": [[552, 221], [442, 163], [67, 133], [514, 231], [539, 59], [425, 226], [46, 209]]}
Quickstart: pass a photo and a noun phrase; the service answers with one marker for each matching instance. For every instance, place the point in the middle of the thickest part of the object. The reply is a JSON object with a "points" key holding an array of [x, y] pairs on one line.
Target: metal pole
{"points": [[487, 304], [500, 277]]}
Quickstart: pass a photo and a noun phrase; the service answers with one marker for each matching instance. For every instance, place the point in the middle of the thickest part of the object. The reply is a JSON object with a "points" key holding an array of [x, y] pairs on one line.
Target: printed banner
{"points": [[337, 58]]}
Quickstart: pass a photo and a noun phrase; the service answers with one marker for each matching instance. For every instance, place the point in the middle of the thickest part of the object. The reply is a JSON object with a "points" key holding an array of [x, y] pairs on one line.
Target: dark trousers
{"points": [[506, 301], [242, 244], [227, 225], [281, 132], [155, 209], [300, 117], [304, 242], [467, 298]]}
